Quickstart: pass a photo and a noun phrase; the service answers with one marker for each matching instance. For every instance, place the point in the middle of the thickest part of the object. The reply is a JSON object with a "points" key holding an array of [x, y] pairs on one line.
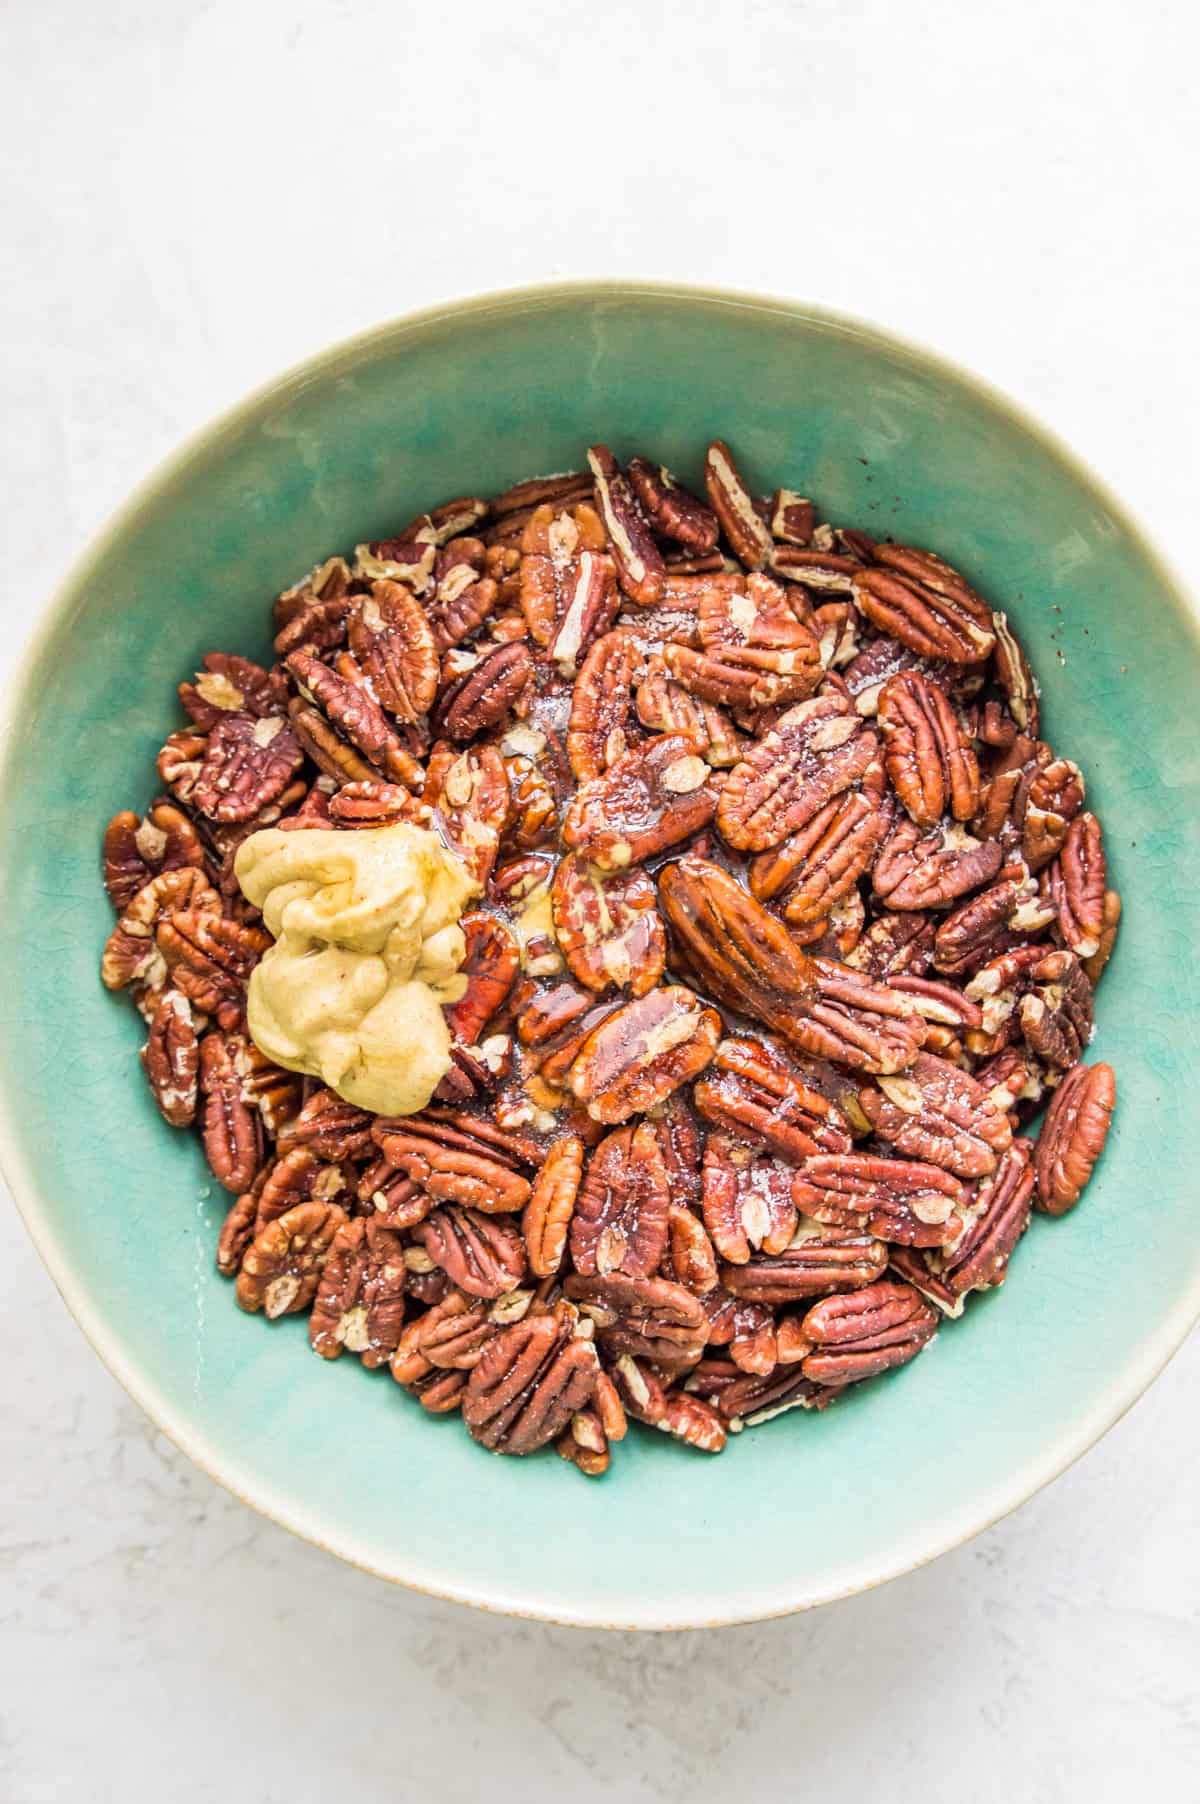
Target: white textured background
{"points": [[194, 193]]}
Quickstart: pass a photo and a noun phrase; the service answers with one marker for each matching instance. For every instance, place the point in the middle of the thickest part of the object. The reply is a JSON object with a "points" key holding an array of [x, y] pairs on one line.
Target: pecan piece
{"points": [[394, 644], [894, 1199], [814, 869], [601, 727], [753, 1093], [690, 1258], [1015, 677], [867, 1332], [229, 684], [746, 1400], [608, 928], [135, 851], [450, 1164], [640, 569], [1077, 881], [665, 706], [738, 953], [569, 591], [792, 517], [551, 1205], [648, 801], [484, 694], [813, 752], [817, 1262], [359, 1303], [929, 761], [895, 943], [651, 1318], [180, 762], [490, 966], [854, 1021], [681, 1144], [131, 953], [1110, 921], [925, 603], [248, 763], [1073, 1136], [642, 1052], [282, 1266], [938, 1113], [747, 1200], [1056, 1014], [930, 869], [481, 1254], [231, 1135], [171, 1058], [996, 1217], [671, 509], [734, 507], [620, 1218], [756, 651], [530, 1382], [468, 793]]}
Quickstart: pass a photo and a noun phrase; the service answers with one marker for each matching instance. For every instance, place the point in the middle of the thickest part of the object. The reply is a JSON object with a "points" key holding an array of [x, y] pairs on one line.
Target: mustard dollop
{"points": [[367, 949]]}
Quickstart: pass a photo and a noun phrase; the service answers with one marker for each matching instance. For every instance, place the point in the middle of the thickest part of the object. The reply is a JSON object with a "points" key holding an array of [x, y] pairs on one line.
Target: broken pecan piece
{"points": [[1073, 1136]]}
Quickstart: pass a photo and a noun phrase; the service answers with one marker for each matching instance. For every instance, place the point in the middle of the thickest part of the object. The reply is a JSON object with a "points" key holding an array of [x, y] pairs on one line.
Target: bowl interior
{"points": [[123, 1208]]}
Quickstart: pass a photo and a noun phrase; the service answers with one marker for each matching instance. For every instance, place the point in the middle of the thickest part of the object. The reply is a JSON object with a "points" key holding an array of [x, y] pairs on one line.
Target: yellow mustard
{"points": [[367, 948]]}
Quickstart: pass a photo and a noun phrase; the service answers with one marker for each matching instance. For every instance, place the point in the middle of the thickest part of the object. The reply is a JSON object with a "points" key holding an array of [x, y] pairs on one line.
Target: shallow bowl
{"points": [[470, 398]]}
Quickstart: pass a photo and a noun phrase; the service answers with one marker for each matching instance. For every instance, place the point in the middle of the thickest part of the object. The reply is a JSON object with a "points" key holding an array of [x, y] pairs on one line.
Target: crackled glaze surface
{"points": [[124, 1211]]}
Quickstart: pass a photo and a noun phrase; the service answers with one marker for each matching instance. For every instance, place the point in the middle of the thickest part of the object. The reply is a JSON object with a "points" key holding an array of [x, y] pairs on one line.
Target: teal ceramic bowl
{"points": [[472, 397]]}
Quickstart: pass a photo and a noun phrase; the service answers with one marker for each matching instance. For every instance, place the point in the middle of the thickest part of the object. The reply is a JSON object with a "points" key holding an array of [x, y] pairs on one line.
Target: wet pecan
{"points": [[867, 1332], [171, 1058], [282, 1266], [929, 760], [854, 1021], [333, 1128], [551, 1205], [816, 1262], [230, 1131], [995, 1217], [756, 651], [483, 695], [394, 644], [814, 752], [1077, 885], [1073, 1136], [938, 1113], [648, 801], [671, 509], [814, 869], [482, 1254], [468, 793], [893, 1199], [601, 727], [137, 850], [359, 1304], [690, 1258], [651, 1318], [1000, 917], [747, 1200], [640, 569], [620, 1219], [752, 1092], [568, 584], [895, 943], [491, 964], [248, 762], [665, 706], [349, 720], [738, 953], [464, 601], [929, 869], [681, 1143], [451, 1164], [734, 507], [642, 1052], [531, 1380], [608, 928], [925, 603], [1056, 1013]]}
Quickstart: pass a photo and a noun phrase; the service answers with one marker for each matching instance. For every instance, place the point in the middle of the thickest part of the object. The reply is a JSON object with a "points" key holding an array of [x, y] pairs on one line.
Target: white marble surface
{"points": [[196, 192]]}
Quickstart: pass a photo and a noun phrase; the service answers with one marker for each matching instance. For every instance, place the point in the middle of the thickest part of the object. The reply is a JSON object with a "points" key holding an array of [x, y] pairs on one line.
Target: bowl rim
{"points": [[1142, 1367]]}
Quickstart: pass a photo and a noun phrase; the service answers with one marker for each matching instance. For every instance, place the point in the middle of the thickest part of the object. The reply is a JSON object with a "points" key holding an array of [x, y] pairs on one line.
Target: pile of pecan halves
{"points": [[788, 921]]}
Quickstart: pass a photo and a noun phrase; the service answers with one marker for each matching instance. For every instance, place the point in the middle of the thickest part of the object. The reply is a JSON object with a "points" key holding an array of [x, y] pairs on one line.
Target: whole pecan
{"points": [[171, 1058], [531, 1380], [640, 569], [650, 1318], [619, 1222], [894, 1199], [816, 1263], [746, 1199], [1056, 1013], [231, 1132], [929, 760], [482, 1254], [917, 598], [641, 1053], [608, 928], [938, 1113], [754, 1093], [929, 869], [483, 695], [814, 752], [601, 725], [743, 954], [1073, 1136], [645, 803], [996, 1217], [282, 1266], [359, 1302], [551, 1205], [1077, 886], [671, 509], [867, 1332], [734, 507], [491, 965], [137, 850]]}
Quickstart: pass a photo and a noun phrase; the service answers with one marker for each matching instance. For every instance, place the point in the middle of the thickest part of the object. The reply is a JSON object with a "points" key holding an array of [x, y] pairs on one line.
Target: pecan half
{"points": [[229, 684], [996, 1218], [248, 763], [1000, 917], [1056, 1014], [739, 953], [531, 1380], [671, 509], [1077, 885], [451, 1336], [930, 869], [601, 726], [734, 507], [137, 850], [210, 957], [648, 801], [569, 591], [638, 1055], [450, 1164], [814, 752], [483, 695], [753, 1093], [1110, 921], [171, 1058], [608, 928], [551, 1205], [640, 569], [1073, 1136], [359, 1304], [490, 966], [816, 1263], [665, 706], [282, 1266], [333, 1128], [681, 1143], [230, 1131], [893, 1199], [651, 1318], [345, 717], [756, 651], [131, 953], [814, 869], [747, 1200], [938, 1113], [1015, 677], [394, 644], [867, 1332], [925, 603], [620, 1218], [468, 793], [481, 1254], [855, 1021], [929, 761]]}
